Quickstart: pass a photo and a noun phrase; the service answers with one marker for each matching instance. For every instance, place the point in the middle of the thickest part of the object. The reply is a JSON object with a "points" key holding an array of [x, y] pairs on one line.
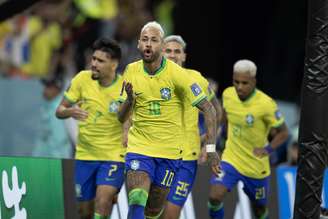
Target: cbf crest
{"points": [[249, 119], [113, 107], [165, 93], [135, 164]]}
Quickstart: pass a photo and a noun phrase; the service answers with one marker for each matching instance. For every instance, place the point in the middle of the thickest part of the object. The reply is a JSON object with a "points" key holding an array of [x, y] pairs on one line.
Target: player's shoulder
{"points": [[134, 64], [132, 68], [265, 100], [264, 97], [170, 65], [194, 73], [198, 77], [83, 75]]}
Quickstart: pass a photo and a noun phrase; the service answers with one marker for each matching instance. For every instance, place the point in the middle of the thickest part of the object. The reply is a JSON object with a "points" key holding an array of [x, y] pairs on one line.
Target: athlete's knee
{"points": [[138, 197], [85, 213], [217, 194], [102, 205]]}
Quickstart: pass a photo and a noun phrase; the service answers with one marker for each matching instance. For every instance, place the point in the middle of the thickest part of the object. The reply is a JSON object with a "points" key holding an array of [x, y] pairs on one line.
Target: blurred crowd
{"points": [[51, 42], [53, 37]]}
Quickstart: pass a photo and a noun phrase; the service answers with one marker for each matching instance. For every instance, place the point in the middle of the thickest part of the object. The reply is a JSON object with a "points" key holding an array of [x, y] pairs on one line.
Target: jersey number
{"points": [[168, 178], [113, 168], [182, 189], [260, 193], [98, 114], [155, 108]]}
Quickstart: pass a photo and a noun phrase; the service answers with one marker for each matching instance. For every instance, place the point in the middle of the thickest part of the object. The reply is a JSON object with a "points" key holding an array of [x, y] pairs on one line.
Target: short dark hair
{"points": [[109, 46]]}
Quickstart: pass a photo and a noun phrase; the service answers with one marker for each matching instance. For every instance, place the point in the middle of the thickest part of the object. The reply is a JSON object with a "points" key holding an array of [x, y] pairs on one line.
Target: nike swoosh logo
{"points": [[177, 198], [137, 94]]}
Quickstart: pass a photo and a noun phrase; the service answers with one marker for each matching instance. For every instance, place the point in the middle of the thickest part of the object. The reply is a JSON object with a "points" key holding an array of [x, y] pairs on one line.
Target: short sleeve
{"points": [[188, 87], [206, 88], [73, 92], [273, 117]]}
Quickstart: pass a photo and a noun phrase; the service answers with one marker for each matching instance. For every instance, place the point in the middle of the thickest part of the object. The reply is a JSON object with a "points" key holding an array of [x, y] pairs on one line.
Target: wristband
{"points": [[269, 149], [210, 148]]}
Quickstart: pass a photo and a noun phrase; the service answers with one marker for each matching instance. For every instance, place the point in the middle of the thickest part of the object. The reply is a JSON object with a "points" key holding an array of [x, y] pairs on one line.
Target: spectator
{"points": [[53, 139]]}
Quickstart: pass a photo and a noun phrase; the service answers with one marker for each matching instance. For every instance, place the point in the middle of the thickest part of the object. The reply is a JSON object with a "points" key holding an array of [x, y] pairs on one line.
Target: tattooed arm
{"points": [[218, 109], [210, 122]]}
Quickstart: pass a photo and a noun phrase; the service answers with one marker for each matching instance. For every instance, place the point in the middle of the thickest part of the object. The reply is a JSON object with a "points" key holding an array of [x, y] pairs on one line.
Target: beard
{"points": [[149, 58], [95, 75]]}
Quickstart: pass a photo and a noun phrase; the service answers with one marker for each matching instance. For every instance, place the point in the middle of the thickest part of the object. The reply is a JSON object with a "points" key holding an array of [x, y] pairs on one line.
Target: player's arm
{"points": [[218, 109], [126, 126], [210, 121], [219, 117], [66, 110], [279, 135], [125, 109]]}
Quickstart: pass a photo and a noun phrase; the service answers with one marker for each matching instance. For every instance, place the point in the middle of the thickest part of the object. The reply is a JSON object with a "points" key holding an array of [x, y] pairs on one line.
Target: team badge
{"points": [[135, 164], [196, 90], [220, 176], [165, 93], [113, 107], [278, 115], [249, 119]]}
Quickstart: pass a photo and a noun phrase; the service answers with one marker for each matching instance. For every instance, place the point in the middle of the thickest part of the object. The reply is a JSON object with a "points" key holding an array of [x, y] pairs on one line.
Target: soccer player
{"points": [[250, 115], [93, 99], [155, 89], [174, 49]]}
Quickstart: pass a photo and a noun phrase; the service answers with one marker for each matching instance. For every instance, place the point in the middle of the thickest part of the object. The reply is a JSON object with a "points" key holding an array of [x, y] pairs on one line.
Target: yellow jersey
{"points": [[191, 139], [100, 135], [249, 123], [157, 113]]}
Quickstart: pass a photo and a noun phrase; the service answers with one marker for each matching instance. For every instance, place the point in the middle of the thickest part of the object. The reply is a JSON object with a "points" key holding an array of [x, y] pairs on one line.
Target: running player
{"points": [[251, 115], [155, 90], [93, 99], [174, 49]]}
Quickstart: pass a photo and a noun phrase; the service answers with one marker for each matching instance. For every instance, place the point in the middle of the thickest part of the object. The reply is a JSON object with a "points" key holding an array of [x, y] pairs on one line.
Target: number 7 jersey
{"points": [[157, 113]]}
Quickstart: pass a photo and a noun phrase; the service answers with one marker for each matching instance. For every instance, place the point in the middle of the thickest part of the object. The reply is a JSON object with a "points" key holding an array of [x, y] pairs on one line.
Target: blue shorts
{"points": [[90, 174], [183, 183], [255, 189], [161, 171]]}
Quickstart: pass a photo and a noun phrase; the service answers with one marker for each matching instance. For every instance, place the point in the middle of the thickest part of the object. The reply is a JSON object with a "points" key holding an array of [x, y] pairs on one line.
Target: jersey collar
{"points": [[159, 70], [111, 84], [250, 96]]}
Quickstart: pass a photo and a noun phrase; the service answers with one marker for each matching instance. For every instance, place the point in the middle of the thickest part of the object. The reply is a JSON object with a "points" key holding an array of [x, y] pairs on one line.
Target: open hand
{"points": [[127, 86], [213, 160], [78, 113]]}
